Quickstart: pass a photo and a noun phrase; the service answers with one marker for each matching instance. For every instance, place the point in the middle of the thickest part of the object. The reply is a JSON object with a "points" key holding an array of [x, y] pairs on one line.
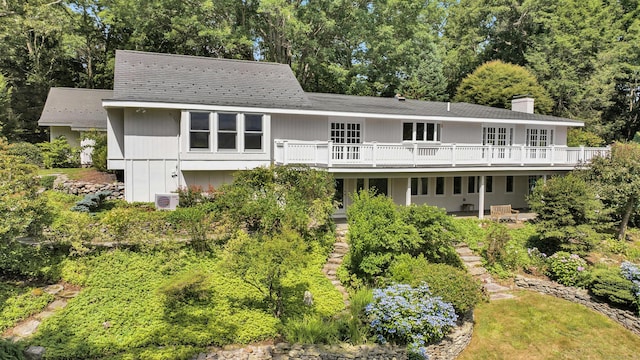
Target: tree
{"points": [[568, 211], [617, 180], [264, 261], [495, 83]]}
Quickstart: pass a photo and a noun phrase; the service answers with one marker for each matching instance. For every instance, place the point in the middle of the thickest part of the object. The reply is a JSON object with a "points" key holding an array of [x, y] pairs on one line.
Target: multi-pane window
{"points": [[414, 186], [457, 185], [199, 130], [538, 139], [532, 182], [253, 132], [471, 185], [439, 185], [345, 133], [509, 184], [488, 184], [420, 131], [424, 186], [380, 186], [227, 131]]}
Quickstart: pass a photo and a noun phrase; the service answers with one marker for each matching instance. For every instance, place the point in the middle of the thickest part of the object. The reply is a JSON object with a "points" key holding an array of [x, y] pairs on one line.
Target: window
{"points": [[345, 133], [338, 196], [414, 186], [457, 185], [532, 182], [509, 184], [424, 186], [488, 184], [227, 131], [423, 131], [471, 185], [199, 130], [253, 132], [380, 186], [439, 186]]}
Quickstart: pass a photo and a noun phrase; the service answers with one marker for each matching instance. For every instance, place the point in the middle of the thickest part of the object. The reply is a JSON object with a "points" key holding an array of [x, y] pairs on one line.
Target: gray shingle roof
{"points": [[81, 109], [377, 105], [166, 78], [142, 76]]}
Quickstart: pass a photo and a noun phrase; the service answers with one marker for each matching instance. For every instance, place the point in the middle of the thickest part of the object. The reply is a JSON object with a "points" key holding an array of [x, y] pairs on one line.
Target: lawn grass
{"points": [[18, 302], [72, 173], [536, 326]]}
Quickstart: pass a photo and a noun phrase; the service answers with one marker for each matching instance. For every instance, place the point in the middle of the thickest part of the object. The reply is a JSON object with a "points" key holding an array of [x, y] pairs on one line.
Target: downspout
{"points": [[178, 170]]}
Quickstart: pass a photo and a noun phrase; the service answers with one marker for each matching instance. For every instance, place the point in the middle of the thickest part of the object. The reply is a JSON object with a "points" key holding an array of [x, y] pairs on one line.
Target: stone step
{"points": [[336, 282], [477, 271], [494, 288], [465, 251], [340, 245], [331, 272], [501, 296], [335, 255], [470, 258], [486, 278], [334, 260], [473, 264]]}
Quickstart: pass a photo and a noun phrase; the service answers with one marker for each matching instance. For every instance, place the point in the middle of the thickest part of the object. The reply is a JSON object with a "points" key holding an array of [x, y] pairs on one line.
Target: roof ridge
{"points": [[203, 57]]}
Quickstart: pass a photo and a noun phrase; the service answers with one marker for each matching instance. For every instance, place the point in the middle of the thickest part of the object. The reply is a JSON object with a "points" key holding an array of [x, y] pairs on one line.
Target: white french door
{"points": [[343, 134], [538, 140], [500, 137]]}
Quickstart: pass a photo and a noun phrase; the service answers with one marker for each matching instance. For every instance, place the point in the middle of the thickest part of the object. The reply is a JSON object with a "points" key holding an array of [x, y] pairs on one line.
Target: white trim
{"points": [[195, 165], [183, 106], [456, 170]]}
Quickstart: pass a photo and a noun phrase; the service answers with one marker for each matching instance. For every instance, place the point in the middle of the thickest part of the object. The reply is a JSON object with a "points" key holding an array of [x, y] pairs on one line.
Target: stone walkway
{"points": [[340, 248], [29, 326], [474, 265]]}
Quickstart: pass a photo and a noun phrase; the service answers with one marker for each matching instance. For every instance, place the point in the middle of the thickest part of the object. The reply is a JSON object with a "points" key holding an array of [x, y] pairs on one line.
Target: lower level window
{"points": [[439, 186], [380, 186], [457, 185], [509, 184], [414, 186]]}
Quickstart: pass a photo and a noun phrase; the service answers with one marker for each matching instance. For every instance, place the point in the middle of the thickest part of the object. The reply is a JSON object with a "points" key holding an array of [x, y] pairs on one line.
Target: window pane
{"points": [[430, 131], [359, 184], [457, 184], [424, 186], [199, 121], [380, 185], [227, 122], [226, 140], [414, 186], [253, 141], [407, 131], [339, 194], [253, 122], [199, 140], [420, 131], [489, 184], [471, 185], [509, 184], [439, 186]]}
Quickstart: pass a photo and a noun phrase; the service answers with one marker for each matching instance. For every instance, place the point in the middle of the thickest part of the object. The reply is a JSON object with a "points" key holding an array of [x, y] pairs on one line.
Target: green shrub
{"points": [[376, 235], [30, 152], [59, 154], [194, 221], [610, 285], [497, 239], [311, 329], [99, 152], [191, 288], [569, 214], [91, 202], [47, 182], [10, 350], [193, 195], [436, 229], [470, 232], [568, 269], [354, 324], [454, 285]]}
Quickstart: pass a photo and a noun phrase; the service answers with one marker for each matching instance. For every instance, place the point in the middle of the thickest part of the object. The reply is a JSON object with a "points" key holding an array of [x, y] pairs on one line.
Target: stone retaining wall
{"points": [[83, 188], [447, 349], [627, 319]]}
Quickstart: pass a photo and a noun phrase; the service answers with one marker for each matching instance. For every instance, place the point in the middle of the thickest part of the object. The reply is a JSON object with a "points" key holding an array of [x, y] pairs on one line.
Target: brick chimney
{"points": [[522, 103]]}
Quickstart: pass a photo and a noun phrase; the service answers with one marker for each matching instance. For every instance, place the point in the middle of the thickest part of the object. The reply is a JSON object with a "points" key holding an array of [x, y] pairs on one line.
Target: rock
{"points": [[57, 304], [26, 329], [34, 352], [53, 289]]}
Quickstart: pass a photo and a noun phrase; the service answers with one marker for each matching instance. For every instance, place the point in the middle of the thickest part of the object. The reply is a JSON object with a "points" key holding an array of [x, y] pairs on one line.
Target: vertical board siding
{"points": [[115, 134]]}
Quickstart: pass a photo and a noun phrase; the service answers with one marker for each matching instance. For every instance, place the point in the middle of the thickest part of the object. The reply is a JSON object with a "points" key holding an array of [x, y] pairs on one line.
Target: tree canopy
{"points": [[584, 54], [495, 83]]}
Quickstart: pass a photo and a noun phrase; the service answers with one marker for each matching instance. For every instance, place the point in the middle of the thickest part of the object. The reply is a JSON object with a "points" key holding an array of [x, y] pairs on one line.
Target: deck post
{"points": [[329, 153], [285, 152], [407, 200], [481, 198]]}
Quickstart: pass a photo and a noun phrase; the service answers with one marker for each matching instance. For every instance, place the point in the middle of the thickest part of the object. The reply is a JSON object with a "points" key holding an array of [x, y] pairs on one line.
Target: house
{"points": [[69, 112], [176, 121]]}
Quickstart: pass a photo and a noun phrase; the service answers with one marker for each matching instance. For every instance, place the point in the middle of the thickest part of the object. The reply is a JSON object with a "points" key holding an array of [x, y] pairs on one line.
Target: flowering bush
{"points": [[568, 269], [632, 273], [412, 316]]}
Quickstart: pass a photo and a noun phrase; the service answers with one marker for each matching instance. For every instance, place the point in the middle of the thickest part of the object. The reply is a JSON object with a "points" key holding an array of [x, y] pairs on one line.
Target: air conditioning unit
{"points": [[167, 201]]}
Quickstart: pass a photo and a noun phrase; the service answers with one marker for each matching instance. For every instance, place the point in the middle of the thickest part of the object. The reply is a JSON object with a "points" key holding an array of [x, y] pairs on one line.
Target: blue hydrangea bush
{"points": [[403, 314], [632, 273]]}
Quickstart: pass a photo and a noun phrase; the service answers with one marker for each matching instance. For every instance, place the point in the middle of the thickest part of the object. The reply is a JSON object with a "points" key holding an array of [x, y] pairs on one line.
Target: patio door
{"points": [[343, 134], [500, 137], [538, 140]]}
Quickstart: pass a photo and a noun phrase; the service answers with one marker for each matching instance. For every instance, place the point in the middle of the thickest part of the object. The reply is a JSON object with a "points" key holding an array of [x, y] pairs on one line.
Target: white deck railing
{"points": [[328, 154]]}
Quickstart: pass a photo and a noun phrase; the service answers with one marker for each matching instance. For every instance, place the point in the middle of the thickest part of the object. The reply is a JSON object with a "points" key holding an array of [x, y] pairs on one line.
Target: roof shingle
{"points": [[81, 109]]}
